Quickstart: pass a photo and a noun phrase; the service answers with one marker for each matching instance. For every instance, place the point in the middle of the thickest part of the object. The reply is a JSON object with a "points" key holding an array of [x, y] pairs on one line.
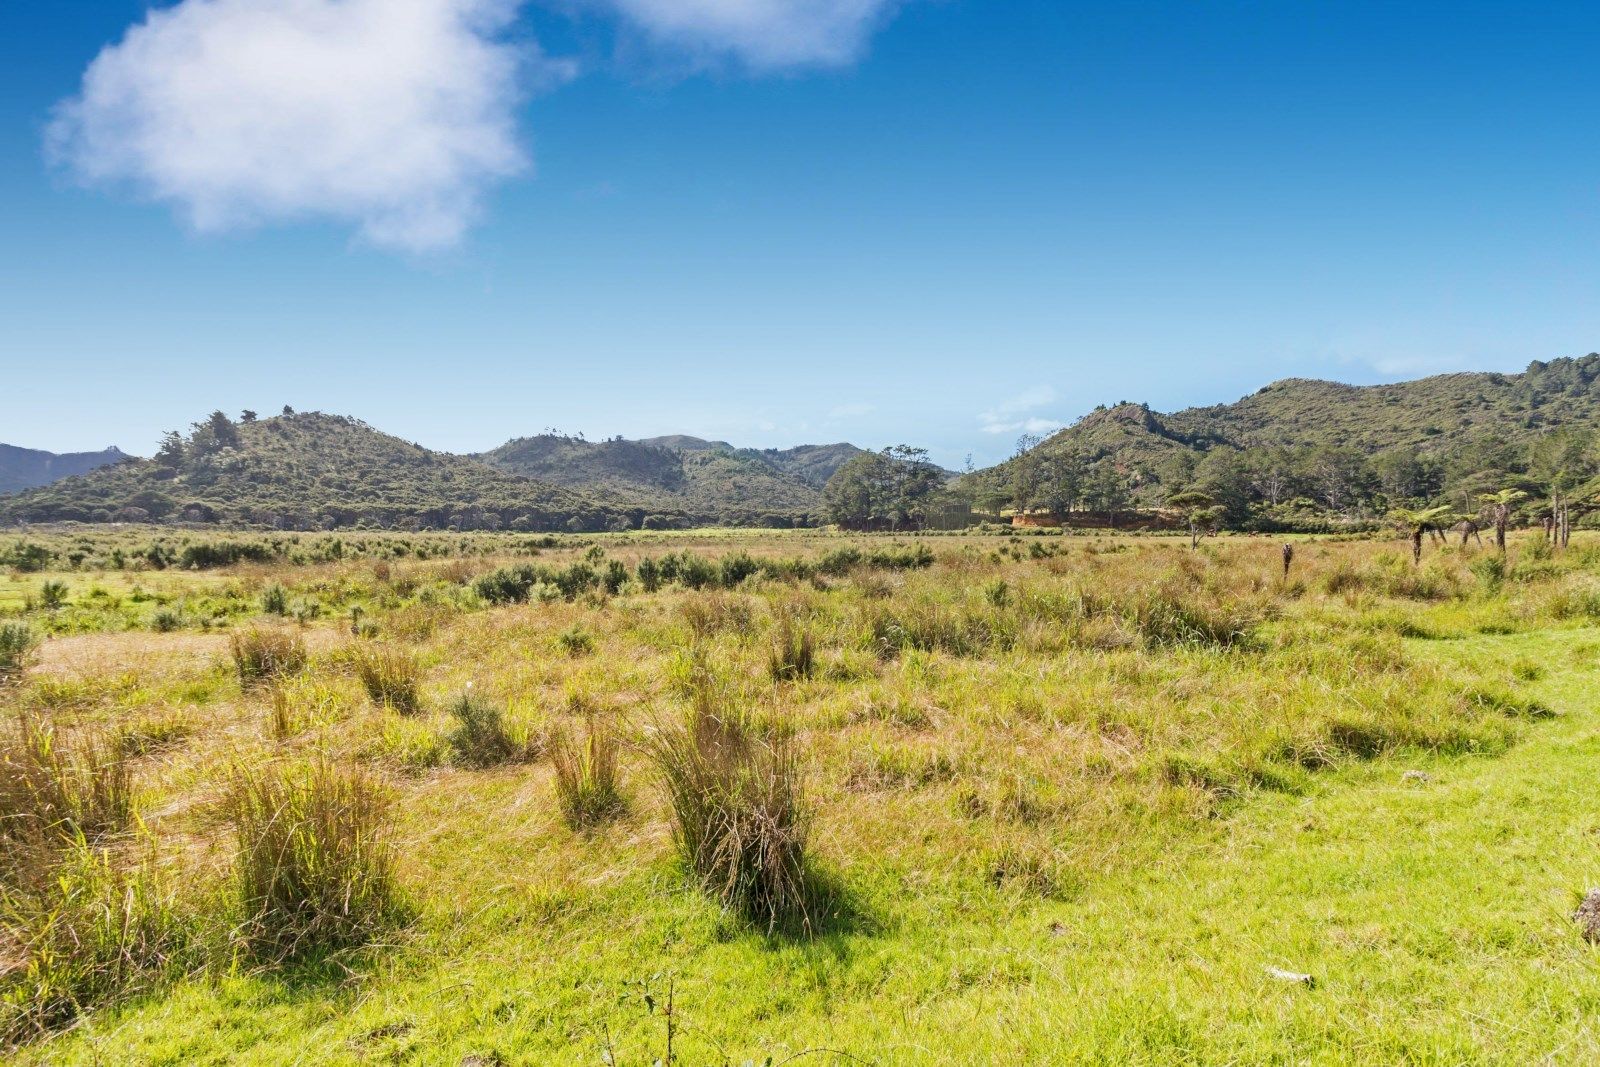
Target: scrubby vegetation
{"points": [[1320, 456], [494, 791]]}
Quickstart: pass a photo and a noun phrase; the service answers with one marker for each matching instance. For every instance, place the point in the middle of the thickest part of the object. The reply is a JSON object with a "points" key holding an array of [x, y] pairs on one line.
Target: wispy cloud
{"points": [[1011, 416], [853, 410], [394, 116], [761, 34]]}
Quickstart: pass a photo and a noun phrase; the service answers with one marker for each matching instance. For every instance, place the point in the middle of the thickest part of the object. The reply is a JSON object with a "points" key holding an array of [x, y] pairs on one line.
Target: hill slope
{"points": [[1341, 444], [25, 468], [710, 480], [312, 470]]}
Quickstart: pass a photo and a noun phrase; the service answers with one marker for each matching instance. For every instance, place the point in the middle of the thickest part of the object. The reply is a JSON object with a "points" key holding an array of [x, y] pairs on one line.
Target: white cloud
{"points": [[853, 410], [392, 115], [1009, 415], [762, 34], [1021, 426]]}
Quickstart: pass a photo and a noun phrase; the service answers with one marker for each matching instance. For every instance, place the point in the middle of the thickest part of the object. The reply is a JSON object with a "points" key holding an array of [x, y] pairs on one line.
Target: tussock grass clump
{"points": [[152, 734], [52, 792], [588, 774], [263, 654], [392, 677], [793, 653], [314, 864], [17, 645], [739, 816], [1164, 616], [92, 932]]}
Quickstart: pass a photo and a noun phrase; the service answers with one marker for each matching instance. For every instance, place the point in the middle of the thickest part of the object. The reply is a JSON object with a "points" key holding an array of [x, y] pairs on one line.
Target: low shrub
{"points": [[17, 645], [480, 737], [575, 641], [166, 621], [275, 599]]}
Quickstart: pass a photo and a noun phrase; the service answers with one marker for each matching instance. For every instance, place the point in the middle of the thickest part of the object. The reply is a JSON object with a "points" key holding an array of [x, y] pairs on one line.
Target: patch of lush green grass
{"points": [[1074, 823]]}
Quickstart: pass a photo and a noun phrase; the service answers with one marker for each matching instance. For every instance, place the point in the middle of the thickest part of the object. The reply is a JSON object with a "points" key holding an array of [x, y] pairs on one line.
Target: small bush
{"points": [[265, 654], [391, 677], [17, 645], [53, 595], [166, 621], [588, 779], [738, 815], [575, 641], [480, 737], [314, 864], [275, 599]]}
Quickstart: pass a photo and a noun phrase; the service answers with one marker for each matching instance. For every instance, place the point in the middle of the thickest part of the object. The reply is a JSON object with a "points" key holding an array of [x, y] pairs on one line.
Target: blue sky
{"points": [[778, 221]]}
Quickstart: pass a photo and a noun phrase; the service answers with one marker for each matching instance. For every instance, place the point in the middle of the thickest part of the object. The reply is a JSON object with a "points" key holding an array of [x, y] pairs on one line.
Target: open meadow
{"points": [[789, 796]]}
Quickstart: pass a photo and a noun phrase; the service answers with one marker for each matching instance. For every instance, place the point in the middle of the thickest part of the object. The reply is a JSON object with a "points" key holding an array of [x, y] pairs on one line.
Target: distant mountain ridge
{"points": [[709, 480], [26, 468], [1278, 457]]}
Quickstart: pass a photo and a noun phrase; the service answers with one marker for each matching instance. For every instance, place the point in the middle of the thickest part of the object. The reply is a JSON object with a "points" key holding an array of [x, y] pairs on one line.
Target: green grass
{"points": [[1065, 825], [1434, 917]]}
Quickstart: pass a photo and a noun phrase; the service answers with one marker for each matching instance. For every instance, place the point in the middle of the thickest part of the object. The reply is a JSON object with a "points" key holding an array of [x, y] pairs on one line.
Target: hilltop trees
{"points": [[890, 488]]}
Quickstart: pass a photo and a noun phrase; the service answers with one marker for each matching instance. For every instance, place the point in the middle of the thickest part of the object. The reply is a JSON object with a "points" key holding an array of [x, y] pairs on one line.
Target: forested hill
{"points": [[1305, 444], [24, 468], [710, 480], [311, 470]]}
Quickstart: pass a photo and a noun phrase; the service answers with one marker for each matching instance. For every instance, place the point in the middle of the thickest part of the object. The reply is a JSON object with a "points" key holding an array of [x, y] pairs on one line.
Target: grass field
{"points": [[1065, 799]]}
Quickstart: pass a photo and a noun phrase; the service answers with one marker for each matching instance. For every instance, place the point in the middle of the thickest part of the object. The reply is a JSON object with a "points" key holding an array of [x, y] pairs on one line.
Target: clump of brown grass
{"points": [[314, 864], [588, 775], [793, 654], [739, 816], [263, 654], [52, 792], [392, 677]]}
